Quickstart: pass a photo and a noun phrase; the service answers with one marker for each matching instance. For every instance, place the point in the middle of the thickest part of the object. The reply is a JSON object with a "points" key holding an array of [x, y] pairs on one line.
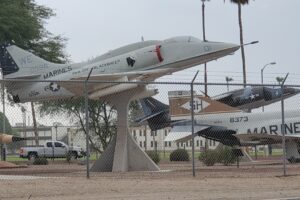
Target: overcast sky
{"points": [[94, 27]]}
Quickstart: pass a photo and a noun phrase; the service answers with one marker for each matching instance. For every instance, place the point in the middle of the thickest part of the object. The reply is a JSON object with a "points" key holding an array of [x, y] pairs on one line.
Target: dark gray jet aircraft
{"points": [[158, 117]]}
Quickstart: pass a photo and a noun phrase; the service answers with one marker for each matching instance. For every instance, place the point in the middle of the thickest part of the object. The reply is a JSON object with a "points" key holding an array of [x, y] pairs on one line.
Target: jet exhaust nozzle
{"points": [[6, 139]]}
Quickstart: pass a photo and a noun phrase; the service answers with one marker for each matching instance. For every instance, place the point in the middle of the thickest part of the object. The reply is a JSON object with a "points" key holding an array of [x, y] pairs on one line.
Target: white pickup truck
{"points": [[51, 149]]}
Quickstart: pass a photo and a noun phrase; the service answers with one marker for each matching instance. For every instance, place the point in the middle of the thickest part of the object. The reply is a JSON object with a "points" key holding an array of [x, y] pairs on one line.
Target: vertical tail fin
{"points": [[17, 63], [156, 113]]}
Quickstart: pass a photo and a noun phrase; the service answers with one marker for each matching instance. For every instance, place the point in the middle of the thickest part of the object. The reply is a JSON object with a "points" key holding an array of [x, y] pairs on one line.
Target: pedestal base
{"points": [[123, 154], [134, 160]]}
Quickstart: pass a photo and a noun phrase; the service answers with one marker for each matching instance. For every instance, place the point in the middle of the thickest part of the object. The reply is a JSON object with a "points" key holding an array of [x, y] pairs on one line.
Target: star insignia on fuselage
{"points": [[54, 87], [253, 96]]}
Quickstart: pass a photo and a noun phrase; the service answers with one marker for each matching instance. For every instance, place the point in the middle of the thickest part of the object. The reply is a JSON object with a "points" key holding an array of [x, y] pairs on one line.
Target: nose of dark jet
{"points": [[290, 90]]}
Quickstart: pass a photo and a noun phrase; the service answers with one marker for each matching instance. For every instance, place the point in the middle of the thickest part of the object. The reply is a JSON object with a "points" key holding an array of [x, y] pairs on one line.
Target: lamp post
{"points": [[228, 79], [262, 75], [204, 39]]}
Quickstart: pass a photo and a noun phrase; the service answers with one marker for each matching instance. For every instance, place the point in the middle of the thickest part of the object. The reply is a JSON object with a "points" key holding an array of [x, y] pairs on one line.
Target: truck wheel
{"points": [[32, 156]]}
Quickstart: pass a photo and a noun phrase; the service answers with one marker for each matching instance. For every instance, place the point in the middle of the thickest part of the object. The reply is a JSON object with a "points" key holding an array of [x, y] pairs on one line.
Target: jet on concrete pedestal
{"points": [[111, 72]]}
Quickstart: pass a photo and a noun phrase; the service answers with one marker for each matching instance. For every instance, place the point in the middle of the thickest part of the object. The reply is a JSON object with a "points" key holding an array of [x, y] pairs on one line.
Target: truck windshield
{"points": [[49, 144], [57, 144]]}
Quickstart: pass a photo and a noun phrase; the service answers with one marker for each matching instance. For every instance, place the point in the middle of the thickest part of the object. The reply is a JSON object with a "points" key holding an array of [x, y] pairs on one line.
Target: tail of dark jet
{"points": [[156, 113]]}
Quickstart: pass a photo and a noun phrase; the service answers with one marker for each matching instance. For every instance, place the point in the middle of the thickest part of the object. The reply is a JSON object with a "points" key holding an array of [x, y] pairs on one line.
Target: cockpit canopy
{"points": [[182, 39]]}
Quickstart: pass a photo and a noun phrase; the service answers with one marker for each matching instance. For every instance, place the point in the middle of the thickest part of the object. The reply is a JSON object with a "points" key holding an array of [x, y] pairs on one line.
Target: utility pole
{"points": [[204, 39]]}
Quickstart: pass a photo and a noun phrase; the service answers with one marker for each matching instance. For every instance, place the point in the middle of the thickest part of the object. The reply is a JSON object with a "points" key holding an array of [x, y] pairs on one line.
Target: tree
{"points": [[279, 80], [240, 3], [22, 22], [8, 129], [102, 118]]}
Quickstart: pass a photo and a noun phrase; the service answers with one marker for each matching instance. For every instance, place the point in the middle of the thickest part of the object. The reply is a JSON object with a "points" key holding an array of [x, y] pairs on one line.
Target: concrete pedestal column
{"points": [[123, 154]]}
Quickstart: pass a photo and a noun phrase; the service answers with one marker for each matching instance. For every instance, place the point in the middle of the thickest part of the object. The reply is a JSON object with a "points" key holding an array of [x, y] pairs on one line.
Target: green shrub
{"points": [[154, 156], [179, 155], [209, 157], [40, 161], [226, 156]]}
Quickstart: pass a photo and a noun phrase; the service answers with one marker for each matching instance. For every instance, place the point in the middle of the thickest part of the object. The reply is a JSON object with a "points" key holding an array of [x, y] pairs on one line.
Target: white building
{"points": [[148, 140]]}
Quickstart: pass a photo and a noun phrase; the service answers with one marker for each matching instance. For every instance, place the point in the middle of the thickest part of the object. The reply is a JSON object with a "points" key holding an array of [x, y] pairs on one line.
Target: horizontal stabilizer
{"points": [[182, 131]]}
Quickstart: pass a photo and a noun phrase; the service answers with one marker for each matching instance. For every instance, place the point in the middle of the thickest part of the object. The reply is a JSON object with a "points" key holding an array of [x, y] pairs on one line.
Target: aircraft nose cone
{"points": [[291, 90], [221, 48], [232, 46]]}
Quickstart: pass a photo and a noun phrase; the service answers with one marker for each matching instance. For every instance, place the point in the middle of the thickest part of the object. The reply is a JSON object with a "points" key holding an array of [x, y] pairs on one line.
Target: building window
{"points": [[210, 143], [181, 144], [169, 144], [187, 144], [151, 143], [197, 143], [201, 143], [145, 144], [214, 143], [155, 143], [134, 133], [166, 144], [166, 132], [141, 144], [191, 143]]}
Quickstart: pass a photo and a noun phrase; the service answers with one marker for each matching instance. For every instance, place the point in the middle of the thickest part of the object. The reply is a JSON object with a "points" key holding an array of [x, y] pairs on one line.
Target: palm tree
{"points": [[279, 79], [240, 3]]}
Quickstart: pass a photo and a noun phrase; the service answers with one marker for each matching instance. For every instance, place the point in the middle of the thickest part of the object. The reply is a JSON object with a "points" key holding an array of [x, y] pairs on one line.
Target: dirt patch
{"points": [[9, 165], [262, 180]]}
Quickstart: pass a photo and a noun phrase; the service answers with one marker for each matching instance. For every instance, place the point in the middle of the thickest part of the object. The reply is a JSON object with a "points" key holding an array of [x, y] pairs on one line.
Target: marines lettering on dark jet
{"points": [[275, 129]]}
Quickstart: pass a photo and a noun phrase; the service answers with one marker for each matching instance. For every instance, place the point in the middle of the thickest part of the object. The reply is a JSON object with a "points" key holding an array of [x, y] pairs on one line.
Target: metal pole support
{"points": [[283, 126], [192, 116]]}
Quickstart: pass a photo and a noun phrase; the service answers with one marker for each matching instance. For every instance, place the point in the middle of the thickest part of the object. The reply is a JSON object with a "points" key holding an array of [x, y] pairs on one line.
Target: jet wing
{"points": [[108, 80], [183, 133]]}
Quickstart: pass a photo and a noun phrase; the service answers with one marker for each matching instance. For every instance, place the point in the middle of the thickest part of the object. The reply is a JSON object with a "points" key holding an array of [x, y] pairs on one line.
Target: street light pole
{"points": [[204, 39], [228, 79], [262, 75]]}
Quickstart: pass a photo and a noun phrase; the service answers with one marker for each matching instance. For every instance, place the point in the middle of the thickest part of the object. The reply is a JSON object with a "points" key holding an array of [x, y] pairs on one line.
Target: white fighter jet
{"points": [[142, 61], [231, 126]]}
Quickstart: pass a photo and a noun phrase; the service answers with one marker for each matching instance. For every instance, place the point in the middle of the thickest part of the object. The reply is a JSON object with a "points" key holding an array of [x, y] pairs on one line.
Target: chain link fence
{"points": [[235, 129]]}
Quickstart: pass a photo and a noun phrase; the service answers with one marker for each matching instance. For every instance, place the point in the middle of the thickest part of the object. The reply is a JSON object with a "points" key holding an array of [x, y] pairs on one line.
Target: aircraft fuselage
{"points": [[133, 60]]}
